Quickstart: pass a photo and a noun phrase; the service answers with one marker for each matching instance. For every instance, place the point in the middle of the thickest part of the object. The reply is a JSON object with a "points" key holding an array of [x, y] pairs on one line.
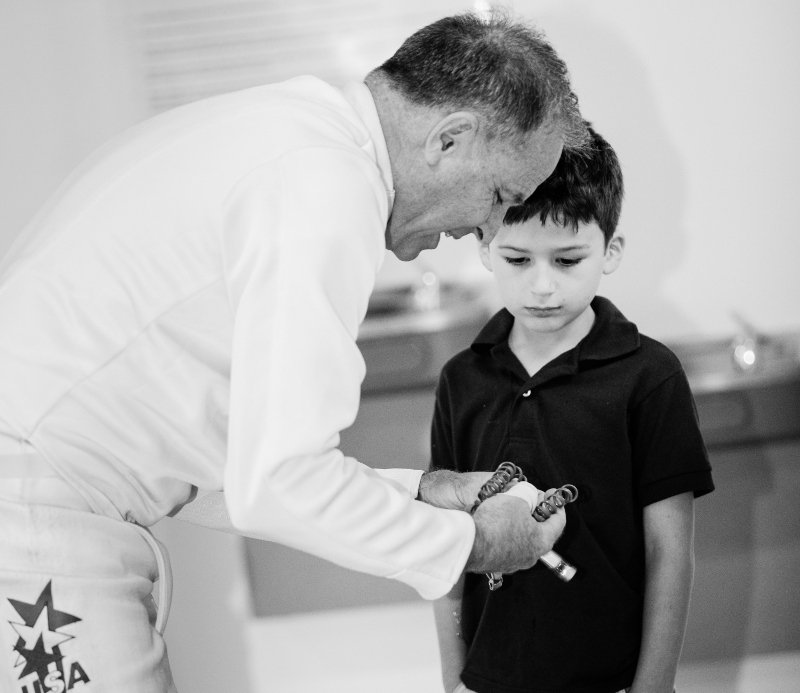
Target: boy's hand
{"points": [[452, 490], [508, 539]]}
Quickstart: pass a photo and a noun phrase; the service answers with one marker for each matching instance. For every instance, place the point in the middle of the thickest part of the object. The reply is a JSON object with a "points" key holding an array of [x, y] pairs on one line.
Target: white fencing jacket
{"points": [[183, 315]]}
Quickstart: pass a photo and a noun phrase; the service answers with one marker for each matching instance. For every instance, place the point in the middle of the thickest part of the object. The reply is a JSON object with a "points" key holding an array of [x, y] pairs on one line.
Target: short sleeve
{"points": [[669, 454]]}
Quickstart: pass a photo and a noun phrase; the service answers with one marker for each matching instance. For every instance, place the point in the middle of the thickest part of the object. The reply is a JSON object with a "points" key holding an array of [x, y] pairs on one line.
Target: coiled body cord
{"points": [[499, 481]]}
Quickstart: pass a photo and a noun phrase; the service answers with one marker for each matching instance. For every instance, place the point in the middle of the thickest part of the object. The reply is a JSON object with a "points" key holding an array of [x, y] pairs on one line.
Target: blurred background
{"points": [[700, 99]]}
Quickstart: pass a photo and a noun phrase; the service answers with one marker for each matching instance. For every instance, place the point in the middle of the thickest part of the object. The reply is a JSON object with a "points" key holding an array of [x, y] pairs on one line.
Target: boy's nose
{"points": [[541, 281]]}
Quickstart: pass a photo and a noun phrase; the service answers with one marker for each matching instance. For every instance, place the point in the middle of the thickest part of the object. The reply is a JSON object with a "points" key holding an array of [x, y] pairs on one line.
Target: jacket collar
{"points": [[360, 98]]}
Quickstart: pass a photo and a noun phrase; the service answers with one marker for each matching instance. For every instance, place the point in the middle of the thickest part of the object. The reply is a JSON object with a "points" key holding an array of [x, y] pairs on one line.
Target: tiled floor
{"points": [[392, 649]]}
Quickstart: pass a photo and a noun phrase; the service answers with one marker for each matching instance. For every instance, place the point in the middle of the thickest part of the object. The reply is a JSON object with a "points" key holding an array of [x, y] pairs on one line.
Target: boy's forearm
{"points": [[665, 611], [452, 650], [669, 576]]}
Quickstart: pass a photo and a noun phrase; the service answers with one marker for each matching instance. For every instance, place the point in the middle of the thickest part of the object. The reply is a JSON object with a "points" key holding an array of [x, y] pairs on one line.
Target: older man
{"points": [[183, 316]]}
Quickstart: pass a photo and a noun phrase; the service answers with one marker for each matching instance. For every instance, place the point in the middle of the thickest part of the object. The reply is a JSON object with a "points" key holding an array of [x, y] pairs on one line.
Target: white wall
{"points": [[66, 85], [699, 97]]}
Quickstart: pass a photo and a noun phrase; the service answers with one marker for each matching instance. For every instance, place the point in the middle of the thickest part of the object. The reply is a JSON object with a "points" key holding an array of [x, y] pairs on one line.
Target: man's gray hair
{"points": [[491, 64]]}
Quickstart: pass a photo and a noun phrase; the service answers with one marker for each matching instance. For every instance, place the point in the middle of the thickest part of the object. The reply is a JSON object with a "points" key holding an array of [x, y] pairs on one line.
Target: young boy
{"points": [[561, 384]]}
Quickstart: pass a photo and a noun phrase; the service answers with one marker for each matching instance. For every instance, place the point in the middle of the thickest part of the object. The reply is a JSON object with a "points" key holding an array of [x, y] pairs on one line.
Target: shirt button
{"points": [[526, 394]]}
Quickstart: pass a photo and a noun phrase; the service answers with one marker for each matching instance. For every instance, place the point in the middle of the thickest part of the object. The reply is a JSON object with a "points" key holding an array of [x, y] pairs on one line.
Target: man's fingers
{"points": [[453, 490], [507, 538]]}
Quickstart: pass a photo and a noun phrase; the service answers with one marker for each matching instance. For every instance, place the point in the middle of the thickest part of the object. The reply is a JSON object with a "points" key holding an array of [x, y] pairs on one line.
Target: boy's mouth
{"points": [[543, 311]]}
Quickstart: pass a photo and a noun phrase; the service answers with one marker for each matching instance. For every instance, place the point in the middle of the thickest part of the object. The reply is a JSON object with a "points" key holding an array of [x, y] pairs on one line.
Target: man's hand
{"points": [[452, 490], [508, 539]]}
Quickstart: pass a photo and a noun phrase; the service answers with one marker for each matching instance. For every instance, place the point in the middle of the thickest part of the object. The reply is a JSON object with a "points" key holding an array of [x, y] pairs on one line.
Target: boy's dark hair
{"points": [[584, 187], [492, 65]]}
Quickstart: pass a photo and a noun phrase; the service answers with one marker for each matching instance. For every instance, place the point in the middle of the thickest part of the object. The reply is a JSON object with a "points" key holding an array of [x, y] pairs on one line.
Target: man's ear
{"points": [[483, 252], [614, 253], [452, 135]]}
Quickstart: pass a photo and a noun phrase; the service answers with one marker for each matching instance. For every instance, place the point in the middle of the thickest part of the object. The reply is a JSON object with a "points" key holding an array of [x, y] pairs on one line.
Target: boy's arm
{"points": [[452, 649], [669, 546]]}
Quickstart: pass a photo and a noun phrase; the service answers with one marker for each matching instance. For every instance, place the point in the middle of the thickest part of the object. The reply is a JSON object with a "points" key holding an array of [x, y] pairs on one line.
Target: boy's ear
{"points": [[483, 251], [452, 135], [614, 253]]}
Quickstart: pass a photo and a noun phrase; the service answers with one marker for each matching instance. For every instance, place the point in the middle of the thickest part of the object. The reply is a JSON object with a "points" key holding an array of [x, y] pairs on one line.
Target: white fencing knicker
{"points": [[77, 611]]}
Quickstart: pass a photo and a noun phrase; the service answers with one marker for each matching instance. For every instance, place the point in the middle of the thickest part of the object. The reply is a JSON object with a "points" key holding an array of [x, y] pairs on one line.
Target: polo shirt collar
{"points": [[612, 335], [360, 98]]}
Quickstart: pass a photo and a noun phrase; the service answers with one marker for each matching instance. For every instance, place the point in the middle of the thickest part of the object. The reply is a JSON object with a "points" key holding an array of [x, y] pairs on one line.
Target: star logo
{"points": [[39, 639]]}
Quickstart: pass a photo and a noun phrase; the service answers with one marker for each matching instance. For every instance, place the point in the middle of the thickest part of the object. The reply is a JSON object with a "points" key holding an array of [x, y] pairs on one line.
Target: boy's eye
{"points": [[521, 260], [568, 261]]}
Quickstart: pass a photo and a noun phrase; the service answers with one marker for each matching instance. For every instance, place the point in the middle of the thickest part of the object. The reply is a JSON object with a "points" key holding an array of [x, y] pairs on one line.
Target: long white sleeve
{"points": [[300, 270], [181, 320]]}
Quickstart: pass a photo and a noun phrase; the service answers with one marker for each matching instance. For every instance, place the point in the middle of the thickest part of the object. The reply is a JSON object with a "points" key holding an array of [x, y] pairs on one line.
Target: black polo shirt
{"points": [[615, 417]]}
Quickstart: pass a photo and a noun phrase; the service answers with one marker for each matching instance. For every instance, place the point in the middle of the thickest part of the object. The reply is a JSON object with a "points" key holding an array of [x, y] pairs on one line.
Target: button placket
{"points": [[520, 411]]}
